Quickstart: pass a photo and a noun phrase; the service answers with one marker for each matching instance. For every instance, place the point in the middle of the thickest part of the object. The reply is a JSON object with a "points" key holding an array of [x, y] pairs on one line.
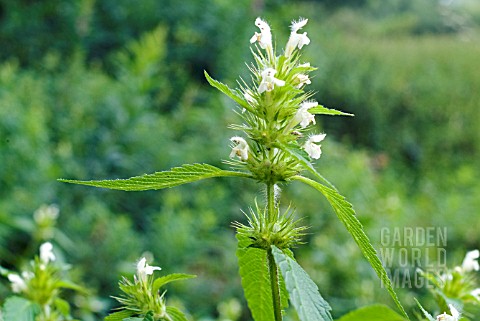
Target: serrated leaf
{"points": [[176, 176], [253, 264], [321, 110], [346, 214], [161, 281], [303, 292], [119, 315], [19, 309], [175, 314], [377, 312], [228, 91]]}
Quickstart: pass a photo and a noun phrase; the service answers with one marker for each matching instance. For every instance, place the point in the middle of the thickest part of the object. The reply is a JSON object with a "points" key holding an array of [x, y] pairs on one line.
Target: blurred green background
{"points": [[93, 89]]}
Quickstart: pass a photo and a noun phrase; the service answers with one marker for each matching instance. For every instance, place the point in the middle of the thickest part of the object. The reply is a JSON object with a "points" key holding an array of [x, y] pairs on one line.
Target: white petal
{"points": [[297, 25], [262, 87], [149, 269], [241, 148], [313, 150], [262, 25], [46, 253], [454, 312], [303, 40], [279, 82], [18, 284], [470, 262], [317, 138], [309, 104]]}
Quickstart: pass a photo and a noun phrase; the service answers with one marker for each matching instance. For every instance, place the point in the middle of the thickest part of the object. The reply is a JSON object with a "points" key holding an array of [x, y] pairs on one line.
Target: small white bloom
{"points": [[476, 293], [454, 316], [304, 65], [143, 269], [240, 149], [264, 38], [46, 213], [303, 80], [249, 96], [18, 284], [303, 117], [313, 150], [470, 262], [296, 40], [269, 81], [27, 275], [46, 253]]}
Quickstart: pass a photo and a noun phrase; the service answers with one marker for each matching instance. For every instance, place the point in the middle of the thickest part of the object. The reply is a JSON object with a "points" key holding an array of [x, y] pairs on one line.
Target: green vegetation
{"points": [[111, 89]]}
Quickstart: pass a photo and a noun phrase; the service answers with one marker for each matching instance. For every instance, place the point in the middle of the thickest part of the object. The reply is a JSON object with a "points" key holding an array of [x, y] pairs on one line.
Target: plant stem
{"points": [[272, 266], [277, 306]]}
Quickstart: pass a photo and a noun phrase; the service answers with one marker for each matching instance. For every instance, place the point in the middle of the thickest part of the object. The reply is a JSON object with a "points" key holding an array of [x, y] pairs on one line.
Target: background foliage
{"points": [[93, 89]]}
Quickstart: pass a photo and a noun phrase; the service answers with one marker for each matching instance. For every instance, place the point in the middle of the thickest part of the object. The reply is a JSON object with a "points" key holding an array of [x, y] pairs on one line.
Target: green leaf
{"points": [[377, 312], [255, 276], [19, 309], [303, 292], [228, 91], [71, 286], [175, 314], [149, 316], [119, 315], [321, 110], [62, 306], [176, 176], [346, 214], [158, 283]]}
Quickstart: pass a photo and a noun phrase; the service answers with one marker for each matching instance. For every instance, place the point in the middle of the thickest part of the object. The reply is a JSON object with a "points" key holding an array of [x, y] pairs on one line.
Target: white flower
{"points": [[46, 253], [455, 315], [18, 284], [240, 149], [296, 40], [303, 117], [269, 81], [249, 96], [46, 213], [303, 80], [143, 269], [313, 150], [476, 293], [470, 262], [264, 38]]}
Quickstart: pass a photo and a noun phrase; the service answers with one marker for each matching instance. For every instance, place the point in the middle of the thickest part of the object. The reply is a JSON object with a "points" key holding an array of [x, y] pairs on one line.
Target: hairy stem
{"points": [[272, 266]]}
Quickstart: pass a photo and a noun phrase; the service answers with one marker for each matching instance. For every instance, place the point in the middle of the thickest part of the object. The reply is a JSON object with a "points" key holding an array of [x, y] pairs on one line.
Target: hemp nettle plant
{"points": [[273, 146]]}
